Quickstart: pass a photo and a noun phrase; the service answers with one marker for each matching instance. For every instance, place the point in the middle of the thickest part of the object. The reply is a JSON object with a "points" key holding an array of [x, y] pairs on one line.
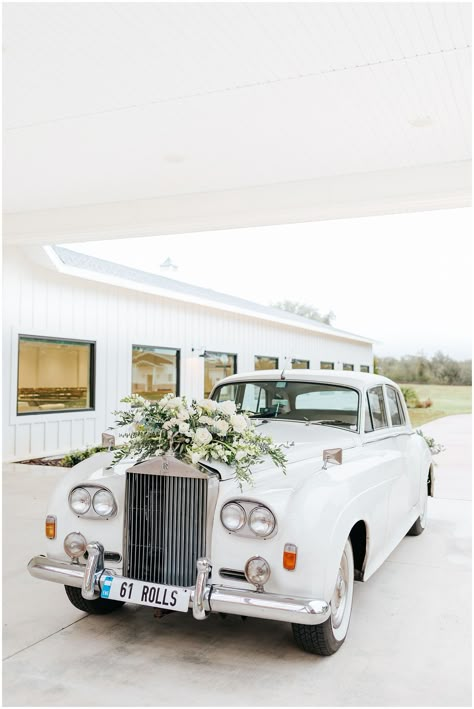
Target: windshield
{"points": [[327, 404]]}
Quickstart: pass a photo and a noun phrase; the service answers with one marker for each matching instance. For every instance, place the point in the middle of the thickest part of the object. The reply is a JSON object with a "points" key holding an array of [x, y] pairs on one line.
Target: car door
{"points": [[381, 440], [403, 433]]}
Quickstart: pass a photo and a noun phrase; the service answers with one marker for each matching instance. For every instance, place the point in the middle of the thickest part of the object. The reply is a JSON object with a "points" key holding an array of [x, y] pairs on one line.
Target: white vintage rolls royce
{"points": [[178, 536]]}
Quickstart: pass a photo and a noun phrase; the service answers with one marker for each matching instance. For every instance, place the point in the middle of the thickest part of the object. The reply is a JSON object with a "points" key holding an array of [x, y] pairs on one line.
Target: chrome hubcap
{"points": [[339, 597]]}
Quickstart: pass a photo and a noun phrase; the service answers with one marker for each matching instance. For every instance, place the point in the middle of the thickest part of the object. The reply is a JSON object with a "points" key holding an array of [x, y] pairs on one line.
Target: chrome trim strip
{"points": [[215, 599], [386, 438]]}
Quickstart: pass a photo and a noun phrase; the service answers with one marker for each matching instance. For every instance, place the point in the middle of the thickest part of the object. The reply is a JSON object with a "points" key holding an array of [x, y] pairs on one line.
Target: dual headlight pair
{"points": [[260, 520], [100, 500]]}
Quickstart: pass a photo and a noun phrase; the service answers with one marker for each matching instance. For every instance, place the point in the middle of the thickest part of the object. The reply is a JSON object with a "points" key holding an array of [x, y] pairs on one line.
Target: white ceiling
{"points": [[143, 118]]}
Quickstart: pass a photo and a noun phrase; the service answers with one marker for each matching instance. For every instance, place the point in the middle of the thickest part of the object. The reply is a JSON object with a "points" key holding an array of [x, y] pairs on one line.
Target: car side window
{"points": [[394, 407], [377, 407]]}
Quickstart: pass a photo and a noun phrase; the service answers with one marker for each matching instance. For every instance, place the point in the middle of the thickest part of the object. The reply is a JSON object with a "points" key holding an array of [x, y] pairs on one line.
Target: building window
{"points": [[266, 362], [327, 365], [364, 368], [54, 375], [300, 363], [155, 372], [348, 367], [217, 365]]}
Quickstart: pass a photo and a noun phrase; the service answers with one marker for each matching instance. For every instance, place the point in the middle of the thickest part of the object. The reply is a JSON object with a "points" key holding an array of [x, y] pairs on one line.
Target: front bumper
{"points": [[204, 597]]}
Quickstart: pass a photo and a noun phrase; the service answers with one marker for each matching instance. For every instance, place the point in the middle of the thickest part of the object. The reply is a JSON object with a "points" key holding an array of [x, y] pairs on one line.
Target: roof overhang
{"points": [[384, 192], [49, 253]]}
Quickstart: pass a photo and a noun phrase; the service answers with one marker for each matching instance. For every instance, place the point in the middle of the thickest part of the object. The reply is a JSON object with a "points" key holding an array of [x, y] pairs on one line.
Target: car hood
{"points": [[299, 442]]}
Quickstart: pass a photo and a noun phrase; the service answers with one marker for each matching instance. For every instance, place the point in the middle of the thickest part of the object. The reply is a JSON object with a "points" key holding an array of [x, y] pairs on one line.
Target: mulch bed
{"points": [[43, 461]]}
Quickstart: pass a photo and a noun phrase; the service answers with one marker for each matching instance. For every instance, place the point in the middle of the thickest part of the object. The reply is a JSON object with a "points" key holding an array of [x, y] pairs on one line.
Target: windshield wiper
{"points": [[332, 422]]}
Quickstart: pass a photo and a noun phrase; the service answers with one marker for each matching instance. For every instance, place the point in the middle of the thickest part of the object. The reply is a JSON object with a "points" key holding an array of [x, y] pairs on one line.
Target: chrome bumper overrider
{"points": [[205, 598]]}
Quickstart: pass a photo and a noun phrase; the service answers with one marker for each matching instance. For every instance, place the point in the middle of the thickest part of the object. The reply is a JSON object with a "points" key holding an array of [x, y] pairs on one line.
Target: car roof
{"points": [[360, 380]]}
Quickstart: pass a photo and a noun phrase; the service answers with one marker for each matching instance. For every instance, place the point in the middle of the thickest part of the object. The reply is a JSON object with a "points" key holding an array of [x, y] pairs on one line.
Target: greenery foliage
{"points": [[77, 456], [194, 432], [418, 369], [434, 447], [305, 310]]}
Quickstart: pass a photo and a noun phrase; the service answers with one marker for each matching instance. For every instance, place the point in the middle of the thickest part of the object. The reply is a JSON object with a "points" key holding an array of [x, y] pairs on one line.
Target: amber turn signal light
{"points": [[289, 557], [50, 527]]}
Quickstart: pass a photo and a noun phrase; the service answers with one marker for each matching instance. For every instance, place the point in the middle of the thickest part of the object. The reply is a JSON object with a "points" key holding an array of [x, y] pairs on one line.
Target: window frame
{"points": [[300, 359], [400, 407], [275, 359], [327, 369], [91, 379], [366, 369], [388, 421], [346, 367], [160, 347], [216, 352]]}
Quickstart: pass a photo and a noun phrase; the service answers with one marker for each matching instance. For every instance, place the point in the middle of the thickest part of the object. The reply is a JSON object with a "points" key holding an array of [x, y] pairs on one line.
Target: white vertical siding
{"points": [[40, 301]]}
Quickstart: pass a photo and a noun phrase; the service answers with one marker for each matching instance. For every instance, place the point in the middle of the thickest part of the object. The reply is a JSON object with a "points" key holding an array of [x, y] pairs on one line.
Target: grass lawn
{"points": [[447, 400]]}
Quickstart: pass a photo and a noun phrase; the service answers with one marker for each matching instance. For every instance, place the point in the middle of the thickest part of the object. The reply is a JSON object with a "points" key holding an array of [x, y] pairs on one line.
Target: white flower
{"points": [[240, 454], [206, 419], [195, 457], [184, 427], [173, 403], [238, 423], [227, 407], [221, 427], [202, 436], [138, 416], [183, 414], [208, 404]]}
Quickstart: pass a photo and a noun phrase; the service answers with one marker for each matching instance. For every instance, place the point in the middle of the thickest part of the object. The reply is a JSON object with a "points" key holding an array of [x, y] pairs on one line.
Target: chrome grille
{"points": [[165, 527]]}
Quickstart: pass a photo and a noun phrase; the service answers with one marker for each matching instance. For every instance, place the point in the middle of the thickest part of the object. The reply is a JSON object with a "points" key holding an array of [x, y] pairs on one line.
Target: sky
{"points": [[404, 280]]}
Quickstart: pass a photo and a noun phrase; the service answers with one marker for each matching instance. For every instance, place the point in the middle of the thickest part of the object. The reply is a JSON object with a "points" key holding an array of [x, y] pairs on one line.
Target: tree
{"points": [[305, 310]]}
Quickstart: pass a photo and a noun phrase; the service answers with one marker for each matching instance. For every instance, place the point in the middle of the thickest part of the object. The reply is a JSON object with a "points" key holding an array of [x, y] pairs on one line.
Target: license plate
{"points": [[145, 594]]}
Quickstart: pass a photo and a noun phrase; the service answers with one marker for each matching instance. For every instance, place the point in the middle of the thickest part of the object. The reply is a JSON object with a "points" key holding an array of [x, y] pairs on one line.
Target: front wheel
{"points": [[98, 606], [326, 638]]}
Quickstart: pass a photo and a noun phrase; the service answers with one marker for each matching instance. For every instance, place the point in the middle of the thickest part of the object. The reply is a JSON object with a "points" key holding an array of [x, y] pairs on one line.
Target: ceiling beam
{"points": [[410, 189]]}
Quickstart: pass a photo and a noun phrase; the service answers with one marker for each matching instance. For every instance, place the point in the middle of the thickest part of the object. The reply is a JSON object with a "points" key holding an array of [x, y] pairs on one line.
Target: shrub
{"points": [[410, 397], [77, 456]]}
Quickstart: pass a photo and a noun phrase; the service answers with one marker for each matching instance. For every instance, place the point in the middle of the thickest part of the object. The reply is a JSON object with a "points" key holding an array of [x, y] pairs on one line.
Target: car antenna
{"points": [[282, 375]]}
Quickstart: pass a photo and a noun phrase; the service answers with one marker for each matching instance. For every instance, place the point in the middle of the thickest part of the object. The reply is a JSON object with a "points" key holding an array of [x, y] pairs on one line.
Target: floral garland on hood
{"points": [[199, 431]]}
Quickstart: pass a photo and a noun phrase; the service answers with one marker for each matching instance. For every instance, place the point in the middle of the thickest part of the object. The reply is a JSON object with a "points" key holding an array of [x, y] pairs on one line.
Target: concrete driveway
{"points": [[408, 644]]}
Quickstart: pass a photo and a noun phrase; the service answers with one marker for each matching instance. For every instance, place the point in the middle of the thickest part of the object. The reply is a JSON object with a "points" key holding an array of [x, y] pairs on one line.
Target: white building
{"points": [[80, 333]]}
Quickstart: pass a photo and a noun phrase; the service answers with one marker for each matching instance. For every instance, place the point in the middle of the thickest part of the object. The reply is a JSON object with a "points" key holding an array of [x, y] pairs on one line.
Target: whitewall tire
{"points": [[327, 638]]}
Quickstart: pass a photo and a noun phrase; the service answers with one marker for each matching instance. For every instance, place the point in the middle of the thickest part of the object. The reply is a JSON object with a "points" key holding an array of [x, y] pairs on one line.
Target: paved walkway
{"points": [[408, 645]]}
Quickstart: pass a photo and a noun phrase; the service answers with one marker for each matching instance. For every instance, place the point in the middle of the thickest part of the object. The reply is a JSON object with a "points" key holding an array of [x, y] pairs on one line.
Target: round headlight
{"points": [[103, 503], [261, 521], [80, 501], [233, 516], [257, 571], [75, 545]]}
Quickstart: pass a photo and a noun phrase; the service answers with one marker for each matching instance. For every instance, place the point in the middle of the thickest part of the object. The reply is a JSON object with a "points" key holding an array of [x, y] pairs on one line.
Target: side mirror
{"points": [[332, 455], [108, 441]]}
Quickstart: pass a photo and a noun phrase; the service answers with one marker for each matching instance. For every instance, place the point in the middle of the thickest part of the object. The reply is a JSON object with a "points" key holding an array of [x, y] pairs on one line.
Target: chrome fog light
{"points": [[257, 571], [75, 545], [103, 503]]}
